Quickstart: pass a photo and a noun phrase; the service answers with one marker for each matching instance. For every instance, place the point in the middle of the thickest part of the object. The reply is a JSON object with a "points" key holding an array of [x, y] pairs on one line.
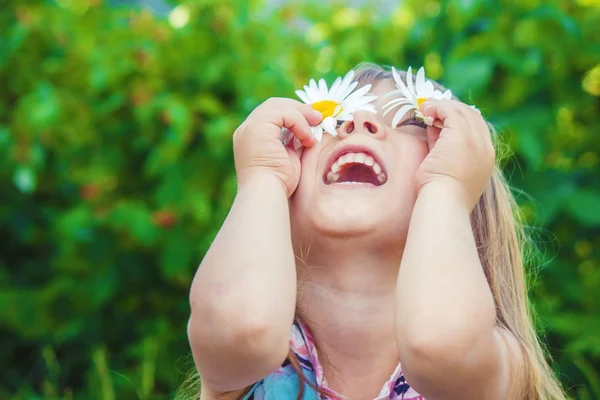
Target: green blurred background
{"points": [[116, 163]]}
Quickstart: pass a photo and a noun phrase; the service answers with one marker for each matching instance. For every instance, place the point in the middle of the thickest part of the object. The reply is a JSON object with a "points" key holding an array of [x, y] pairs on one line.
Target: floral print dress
{"points": [[284, 383]]}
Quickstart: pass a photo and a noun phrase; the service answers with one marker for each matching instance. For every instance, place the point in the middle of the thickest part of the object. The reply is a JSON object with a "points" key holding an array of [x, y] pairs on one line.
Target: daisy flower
{"points": [[336, 103], [413, 95]]}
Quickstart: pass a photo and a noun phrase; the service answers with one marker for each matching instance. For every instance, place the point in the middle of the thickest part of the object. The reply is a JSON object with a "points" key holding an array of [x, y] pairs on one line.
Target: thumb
{"points": [[294, 156], [433, 134]]}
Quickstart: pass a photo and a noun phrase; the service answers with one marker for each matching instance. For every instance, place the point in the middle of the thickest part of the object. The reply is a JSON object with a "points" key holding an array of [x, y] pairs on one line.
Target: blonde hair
{"points": [[501, 241]]}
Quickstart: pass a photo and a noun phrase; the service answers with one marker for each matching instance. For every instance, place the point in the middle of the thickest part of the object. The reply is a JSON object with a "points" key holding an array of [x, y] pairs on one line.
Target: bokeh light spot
{"points": [[179, 17], [346, 18]]}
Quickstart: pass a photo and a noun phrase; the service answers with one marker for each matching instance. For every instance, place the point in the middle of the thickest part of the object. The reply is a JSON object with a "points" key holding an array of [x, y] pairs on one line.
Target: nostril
{"points": [[370, 127], [350, 127]]}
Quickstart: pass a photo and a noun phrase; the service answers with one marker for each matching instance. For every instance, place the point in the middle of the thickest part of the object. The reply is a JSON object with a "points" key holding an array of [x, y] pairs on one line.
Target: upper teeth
{"points": [[355, 158]]}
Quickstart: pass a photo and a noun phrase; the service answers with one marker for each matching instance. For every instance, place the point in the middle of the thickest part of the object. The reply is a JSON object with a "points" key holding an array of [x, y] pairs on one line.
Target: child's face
{"points": [[324, 205]]}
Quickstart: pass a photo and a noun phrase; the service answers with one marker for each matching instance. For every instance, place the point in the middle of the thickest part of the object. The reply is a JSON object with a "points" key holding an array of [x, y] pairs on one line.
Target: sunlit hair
{"points": [[501, 242]]}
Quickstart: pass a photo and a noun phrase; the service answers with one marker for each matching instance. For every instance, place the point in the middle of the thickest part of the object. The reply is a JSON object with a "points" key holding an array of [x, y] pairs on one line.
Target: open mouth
{"points": [[355, 168]]}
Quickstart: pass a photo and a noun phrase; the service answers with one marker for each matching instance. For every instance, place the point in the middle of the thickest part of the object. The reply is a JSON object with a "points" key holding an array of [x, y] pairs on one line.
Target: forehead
{"points": [[381, 89]]}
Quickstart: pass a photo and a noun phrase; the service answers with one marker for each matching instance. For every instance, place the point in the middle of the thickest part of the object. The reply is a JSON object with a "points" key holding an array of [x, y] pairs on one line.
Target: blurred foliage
{"points": [[117, 170]]}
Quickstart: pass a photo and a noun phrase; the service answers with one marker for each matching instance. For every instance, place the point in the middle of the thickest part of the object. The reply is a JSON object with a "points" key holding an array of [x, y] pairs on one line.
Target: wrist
{"points": [[262, 180], [447, 189]]}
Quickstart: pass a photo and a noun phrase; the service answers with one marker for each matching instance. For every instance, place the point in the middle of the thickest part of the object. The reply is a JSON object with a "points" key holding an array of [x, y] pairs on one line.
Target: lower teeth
{"points": [[333, 178]]}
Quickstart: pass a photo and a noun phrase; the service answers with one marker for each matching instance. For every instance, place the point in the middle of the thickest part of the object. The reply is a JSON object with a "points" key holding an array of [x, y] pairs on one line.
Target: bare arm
{"points": [[446, 320], [244, 293], [243, 296], [448, 341]]}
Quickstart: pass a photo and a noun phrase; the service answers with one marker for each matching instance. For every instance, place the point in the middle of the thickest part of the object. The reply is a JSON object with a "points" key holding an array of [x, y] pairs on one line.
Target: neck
{"points": [[346, 296]]}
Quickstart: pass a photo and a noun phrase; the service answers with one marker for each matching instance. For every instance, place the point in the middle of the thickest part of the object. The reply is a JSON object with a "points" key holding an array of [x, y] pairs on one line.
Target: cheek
{"points": [[409, 155]]}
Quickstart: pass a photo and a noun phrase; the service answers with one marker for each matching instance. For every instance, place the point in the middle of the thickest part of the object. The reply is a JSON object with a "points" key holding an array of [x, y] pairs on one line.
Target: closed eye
{"points": [[413, 121]]}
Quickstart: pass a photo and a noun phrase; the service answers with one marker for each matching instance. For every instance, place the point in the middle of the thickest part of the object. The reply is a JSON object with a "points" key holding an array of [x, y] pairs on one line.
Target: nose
{"points": [[364, 122]]}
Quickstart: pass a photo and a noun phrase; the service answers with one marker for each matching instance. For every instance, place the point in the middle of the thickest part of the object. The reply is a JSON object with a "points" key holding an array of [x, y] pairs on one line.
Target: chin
{"points": [[382, 219], [355, 189], [334, 218]]}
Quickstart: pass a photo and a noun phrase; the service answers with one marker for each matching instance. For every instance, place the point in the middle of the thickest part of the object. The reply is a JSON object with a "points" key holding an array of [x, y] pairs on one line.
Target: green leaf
{"points": [[24, 179], [469, 74], [584, 206]]}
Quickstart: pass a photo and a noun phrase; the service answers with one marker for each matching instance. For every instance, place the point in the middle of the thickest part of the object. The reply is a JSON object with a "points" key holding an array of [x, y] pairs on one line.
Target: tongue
{"points": [[358, 173]]}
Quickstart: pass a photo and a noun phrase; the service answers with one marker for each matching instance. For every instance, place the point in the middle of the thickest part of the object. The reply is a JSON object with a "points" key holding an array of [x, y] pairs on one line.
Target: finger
{"points": [[313, 117], [292, 143], [291, 119], [441, 110], [296, 123], [293, 115], [433, 134], [456, 115], [296, 164]]}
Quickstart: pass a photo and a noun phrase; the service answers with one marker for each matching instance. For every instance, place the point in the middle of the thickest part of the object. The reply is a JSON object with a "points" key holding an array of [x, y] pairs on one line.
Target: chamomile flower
{"points": [[413, 95], [336, 103]]}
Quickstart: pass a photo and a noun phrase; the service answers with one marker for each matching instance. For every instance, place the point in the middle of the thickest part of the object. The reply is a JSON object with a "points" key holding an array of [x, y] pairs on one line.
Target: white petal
{"points": [[335, 87], [313, 86], [437, 94], [286, 136], [429, 121], [342, 87], [403, 90], [447, 95], [401, 113], [302, 95], [369, 108], [323, 86], [357, 94], [297, 144], [346, 92], [338, 109], [313, 95], [353, 107], [366, 99], [398, 100], [357, 103], [409, 83], [317, 132], [427, 90], [329, 124], [345, 116], [395, 103], [347, 80], [396, 77], [420, 77]]}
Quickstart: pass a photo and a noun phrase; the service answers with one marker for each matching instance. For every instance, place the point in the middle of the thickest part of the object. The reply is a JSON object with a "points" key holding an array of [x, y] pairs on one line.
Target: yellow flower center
{"points": [[420, 101], [327, 108]]}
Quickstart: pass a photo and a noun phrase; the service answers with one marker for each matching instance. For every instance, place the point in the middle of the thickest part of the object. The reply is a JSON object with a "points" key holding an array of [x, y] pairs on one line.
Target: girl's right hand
{"points": [[257, 145]]}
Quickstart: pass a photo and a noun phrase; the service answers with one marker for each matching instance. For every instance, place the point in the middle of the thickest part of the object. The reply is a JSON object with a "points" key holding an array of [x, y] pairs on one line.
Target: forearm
{"points": [[442, 294], [247, 280]]}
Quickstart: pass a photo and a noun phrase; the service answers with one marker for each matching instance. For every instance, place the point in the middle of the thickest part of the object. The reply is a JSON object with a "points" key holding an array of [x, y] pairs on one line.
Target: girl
{"points": [[379, 261]]}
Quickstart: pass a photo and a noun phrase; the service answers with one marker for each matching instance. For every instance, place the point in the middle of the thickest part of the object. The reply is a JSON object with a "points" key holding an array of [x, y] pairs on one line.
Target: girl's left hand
{"points": [[460, 152]]}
